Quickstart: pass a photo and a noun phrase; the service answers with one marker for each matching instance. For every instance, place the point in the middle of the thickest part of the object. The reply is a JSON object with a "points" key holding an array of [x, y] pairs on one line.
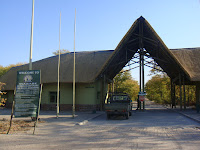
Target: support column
{"points": [[180, 86], [172, 94], [113, 87], [198, 97], [143, 77], [101, 94], [104, 91], [188, 94], [141, 53], [139, 102], [184, 97]]}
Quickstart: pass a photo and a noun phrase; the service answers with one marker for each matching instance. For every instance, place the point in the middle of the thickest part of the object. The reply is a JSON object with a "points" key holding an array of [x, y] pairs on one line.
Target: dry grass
{"points": [[17, 126]]}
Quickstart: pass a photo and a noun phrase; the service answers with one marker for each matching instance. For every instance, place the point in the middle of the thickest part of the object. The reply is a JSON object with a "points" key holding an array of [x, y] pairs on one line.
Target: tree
{"points": [[158, 89], [123, 82], [2, 99], [63, 51], [3, 70]]}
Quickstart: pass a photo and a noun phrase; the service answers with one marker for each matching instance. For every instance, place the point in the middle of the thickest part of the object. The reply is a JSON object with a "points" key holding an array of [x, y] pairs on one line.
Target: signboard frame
{"points": [[28, 82], [27, 93]]}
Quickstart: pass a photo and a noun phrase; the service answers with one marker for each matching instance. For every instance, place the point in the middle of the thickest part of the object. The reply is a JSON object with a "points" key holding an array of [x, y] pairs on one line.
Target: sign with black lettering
{"points": [[27, 93]]}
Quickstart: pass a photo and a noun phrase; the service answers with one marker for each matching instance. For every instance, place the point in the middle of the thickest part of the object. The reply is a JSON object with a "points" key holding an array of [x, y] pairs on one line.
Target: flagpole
{"points": [[73, 107], [31, 45], [58, 89]]}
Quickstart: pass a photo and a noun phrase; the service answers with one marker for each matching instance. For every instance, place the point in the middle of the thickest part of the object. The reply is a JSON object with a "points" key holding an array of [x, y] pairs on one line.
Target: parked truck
{"points": [[118, 104]]}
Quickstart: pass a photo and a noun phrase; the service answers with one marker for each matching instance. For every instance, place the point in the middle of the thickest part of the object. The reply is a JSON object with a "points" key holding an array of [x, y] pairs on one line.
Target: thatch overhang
{"points": [[189, 59], [88, 65], [152, 43]]}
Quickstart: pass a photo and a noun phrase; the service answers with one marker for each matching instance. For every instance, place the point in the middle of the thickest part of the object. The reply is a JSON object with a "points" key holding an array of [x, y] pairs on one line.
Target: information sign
{"points": [[27, 93], [142, 96]]}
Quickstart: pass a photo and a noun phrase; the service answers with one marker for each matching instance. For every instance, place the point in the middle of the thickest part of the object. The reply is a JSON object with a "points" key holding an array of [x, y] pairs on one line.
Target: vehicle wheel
{"points": [[127, 116], [130, 113]]}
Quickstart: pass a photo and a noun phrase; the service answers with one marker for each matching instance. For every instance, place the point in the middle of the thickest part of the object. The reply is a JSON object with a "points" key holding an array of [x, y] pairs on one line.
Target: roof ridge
{"points": [[94, 51]]}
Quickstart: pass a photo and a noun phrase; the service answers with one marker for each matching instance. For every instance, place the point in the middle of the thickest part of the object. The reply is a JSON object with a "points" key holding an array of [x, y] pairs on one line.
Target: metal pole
{"points": [[58, 89], [73, 113], [31, 45]]}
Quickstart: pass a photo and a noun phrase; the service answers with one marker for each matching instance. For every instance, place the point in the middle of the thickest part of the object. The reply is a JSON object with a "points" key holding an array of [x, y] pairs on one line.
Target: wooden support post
{"points": [[184, 97], [188, 94], [141, 53], [180, 86], [140, 81], [12, 112], [101, 98], [113, 87], [198, 97], [104, 90], [171, 93], [174, 94], [37, 117], [11, 117]]}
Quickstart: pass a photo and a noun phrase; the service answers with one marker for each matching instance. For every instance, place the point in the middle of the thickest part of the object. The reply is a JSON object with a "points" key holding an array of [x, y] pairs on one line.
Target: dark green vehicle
{"points": [[118, 104]]}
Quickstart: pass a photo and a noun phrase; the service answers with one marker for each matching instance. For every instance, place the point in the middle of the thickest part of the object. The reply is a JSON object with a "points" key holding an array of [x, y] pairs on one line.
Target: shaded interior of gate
{"points": [[142, 36]]}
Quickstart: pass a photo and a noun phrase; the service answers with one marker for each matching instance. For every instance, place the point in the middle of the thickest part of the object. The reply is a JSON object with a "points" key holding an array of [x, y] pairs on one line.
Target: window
{"points": [[53, 97], [98, 95]]}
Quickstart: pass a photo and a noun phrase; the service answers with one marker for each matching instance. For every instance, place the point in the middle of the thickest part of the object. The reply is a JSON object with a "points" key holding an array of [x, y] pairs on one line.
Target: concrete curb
{"points": [[86, 121], [183, 114]]}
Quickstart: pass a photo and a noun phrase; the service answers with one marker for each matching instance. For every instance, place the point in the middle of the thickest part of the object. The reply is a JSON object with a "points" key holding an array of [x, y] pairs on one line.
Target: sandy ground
{"points": [[154, 128]]}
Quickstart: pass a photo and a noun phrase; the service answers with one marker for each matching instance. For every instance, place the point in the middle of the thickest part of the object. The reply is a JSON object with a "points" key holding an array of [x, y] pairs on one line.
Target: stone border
{"points": [[183, 114], [86, 121]]}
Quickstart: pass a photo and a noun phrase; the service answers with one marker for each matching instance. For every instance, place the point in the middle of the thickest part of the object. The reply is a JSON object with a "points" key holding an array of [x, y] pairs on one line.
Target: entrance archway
{"points": [[142, 39]]}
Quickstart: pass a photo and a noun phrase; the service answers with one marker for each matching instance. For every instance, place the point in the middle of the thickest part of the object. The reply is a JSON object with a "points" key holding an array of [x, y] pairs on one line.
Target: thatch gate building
{"points": [[95, 70]]}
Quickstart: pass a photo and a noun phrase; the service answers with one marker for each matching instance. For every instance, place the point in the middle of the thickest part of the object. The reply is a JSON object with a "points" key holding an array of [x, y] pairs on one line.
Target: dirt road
{"points": [[154, 128]]}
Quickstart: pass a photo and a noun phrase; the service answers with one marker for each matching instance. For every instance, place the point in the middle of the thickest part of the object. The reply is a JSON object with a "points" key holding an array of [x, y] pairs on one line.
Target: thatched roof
{"points": [[152, 43], [93, 65], [88, 65], [189, 59]]}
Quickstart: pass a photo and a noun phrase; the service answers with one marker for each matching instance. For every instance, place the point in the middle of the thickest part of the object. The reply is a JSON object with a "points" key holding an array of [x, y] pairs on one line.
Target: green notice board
{"points": [[27, 93]]}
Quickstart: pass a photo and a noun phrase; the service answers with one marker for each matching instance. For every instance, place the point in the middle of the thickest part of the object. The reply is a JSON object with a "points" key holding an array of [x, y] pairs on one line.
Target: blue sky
{"points": [[101, 24]]}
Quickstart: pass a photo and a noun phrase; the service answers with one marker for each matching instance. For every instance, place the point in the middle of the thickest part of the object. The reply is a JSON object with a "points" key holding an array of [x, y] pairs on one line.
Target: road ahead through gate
{"points": [[155, 128]]}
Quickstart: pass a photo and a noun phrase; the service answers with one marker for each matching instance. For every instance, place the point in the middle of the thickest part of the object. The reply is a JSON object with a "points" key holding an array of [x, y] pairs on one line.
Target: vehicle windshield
{"points": [[120, 97]]}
